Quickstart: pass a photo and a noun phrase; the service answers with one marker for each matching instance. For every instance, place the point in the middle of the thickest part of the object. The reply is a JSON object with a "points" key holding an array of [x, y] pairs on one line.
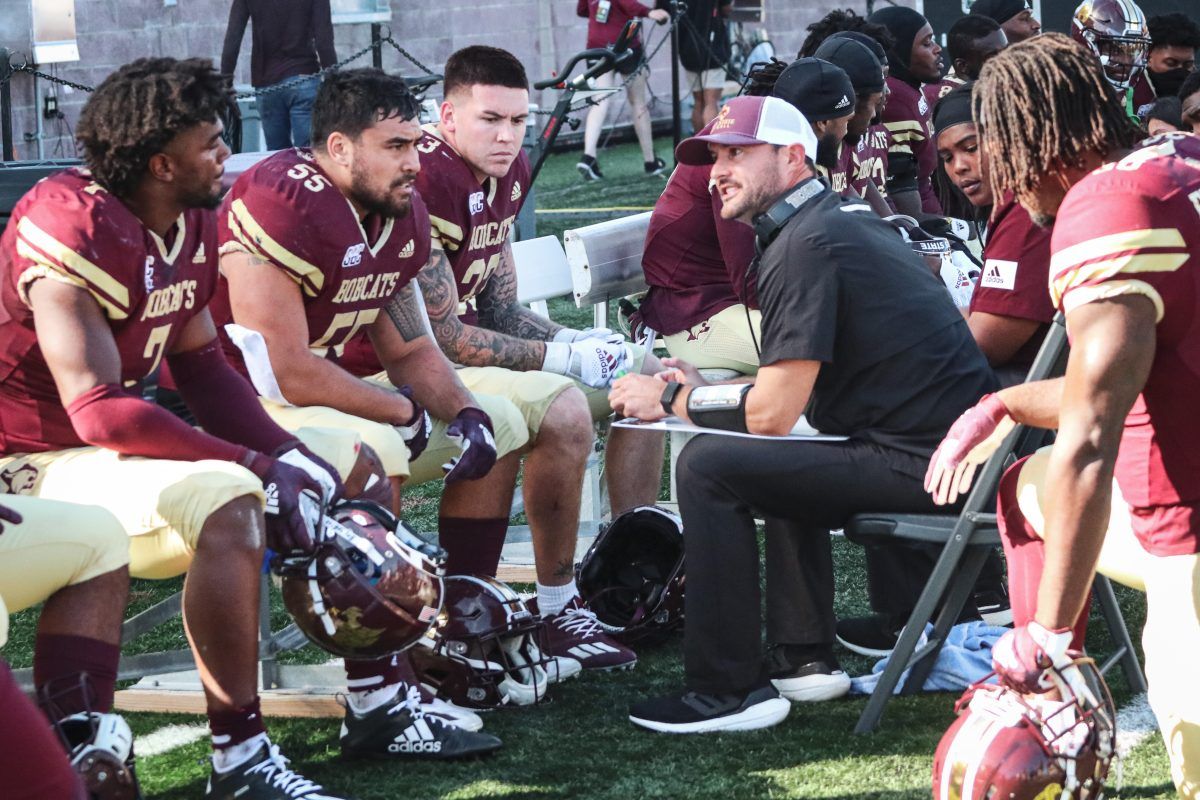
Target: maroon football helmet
{"points": [[1030, 747], [632, 576], [369, 589], [486, 649], [1115, 31]]}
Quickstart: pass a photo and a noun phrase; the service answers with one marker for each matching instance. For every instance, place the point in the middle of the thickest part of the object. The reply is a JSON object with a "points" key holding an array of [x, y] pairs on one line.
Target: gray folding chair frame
{"points": [[966, 539]]}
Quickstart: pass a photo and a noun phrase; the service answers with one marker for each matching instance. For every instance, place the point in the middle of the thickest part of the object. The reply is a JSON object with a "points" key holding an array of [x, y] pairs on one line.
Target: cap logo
{"points": [[723, 120], [845, 101]]}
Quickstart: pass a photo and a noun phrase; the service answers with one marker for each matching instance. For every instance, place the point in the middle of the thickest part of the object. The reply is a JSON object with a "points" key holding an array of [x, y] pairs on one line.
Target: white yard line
{"points": [[168, 738], [1135, 724]]}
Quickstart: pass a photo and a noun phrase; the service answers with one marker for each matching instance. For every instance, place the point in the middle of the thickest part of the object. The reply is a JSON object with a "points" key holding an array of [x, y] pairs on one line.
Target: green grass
{"points": [[580, 745]]}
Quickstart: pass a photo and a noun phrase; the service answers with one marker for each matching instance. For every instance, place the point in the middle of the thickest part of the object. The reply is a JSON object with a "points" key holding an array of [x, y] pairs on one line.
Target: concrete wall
{"points": [[543, 33]]}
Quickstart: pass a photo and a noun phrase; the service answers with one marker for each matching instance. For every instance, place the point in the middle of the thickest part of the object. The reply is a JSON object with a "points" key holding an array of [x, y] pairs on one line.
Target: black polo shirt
{"points": [[898, 363]]}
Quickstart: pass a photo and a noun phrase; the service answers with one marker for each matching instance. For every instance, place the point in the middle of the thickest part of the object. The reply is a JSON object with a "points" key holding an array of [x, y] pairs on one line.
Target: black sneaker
{"points": [[265, 776], [589, 168], [655, 167], [806, 677], [405, 731], [869, 636], [696, 712]]}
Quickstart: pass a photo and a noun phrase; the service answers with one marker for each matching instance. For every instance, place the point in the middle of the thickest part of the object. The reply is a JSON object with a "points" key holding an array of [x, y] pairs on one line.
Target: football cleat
{"points": [[574, 633], [265, 776], [405, 730]]}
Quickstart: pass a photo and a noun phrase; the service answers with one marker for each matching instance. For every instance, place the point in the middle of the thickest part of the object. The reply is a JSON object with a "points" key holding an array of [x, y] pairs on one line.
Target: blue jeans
{"points": [[287, 114]]}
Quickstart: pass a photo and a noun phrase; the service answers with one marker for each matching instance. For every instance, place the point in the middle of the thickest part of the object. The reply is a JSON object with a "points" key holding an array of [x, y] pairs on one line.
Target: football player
{"points": [[320, 244], [915, 59], [474, 178], [75, 559], [107, 272], [1121, 485], [1115, 32], [970, 42], [1015, 17]]}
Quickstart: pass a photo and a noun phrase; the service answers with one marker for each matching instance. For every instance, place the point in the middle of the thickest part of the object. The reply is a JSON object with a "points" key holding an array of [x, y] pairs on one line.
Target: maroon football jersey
{"points": [[839, 177], [1141, 95], [471, 221], [936, 91], [286, 211], [907, 117], [1016, 271], [68, 228], [1132, 228], [694, 261], [869, 161]]}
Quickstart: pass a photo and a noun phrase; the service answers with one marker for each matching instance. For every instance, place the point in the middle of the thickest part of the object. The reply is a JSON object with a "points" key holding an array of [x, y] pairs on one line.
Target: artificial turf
{"points": [[580, 744]]}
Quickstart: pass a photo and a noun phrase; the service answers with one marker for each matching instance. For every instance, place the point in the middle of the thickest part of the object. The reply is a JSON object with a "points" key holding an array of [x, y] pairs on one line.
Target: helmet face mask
{"points": [[1025, 747], [1115, 32], [369, 589], [487, 649]]}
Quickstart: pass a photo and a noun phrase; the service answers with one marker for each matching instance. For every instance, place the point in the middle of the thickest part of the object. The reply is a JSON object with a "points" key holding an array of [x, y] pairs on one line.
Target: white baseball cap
{"points": [[749, 121]]}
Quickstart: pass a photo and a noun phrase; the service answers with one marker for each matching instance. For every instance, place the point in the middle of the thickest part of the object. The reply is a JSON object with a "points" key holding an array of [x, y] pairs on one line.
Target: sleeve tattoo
{"points": [[405, 312], [467, 344], [500, 311]]}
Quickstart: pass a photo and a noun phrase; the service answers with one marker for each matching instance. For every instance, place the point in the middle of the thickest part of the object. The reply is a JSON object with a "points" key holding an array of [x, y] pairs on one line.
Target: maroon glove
{"points": [[8, 515], [472, 431], [1023, 655], [294, 505], [415, 432]]}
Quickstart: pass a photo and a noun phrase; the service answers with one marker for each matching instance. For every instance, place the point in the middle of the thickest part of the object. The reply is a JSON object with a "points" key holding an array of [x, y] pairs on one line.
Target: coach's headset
{"points": [[767, 227]]}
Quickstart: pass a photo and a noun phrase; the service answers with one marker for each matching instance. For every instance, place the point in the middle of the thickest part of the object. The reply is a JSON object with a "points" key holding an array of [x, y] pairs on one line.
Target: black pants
{"points": [[802, 489]]}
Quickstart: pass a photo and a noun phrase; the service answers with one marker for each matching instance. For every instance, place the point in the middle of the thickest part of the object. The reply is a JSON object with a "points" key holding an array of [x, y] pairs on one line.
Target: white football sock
{"points": [[553, 599], [362, 702], [233, 757]]}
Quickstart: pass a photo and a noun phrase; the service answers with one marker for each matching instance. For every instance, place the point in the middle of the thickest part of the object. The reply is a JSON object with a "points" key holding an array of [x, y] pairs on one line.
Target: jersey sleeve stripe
{"points": [[904, 125], [310, 277], [1109, 289], [1095, 272], [909, 136], [903, 149], [450, 234], [40, 247], [1115, 244]]}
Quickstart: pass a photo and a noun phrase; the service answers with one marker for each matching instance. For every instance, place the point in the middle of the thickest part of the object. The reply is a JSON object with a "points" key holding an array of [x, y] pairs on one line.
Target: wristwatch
{"points": [[668, 396]]}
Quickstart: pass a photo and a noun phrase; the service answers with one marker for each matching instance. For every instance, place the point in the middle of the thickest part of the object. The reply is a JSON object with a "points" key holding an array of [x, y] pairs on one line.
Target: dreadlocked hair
{"points": [[760, 82], [1043, 105], [141, 107]]}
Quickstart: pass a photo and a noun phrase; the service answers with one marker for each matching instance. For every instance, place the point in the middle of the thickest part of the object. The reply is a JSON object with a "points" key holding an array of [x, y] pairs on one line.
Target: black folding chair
{"points": [[966, 539]]}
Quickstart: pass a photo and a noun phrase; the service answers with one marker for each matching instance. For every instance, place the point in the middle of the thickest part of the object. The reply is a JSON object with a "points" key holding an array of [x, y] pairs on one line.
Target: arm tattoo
{"points": [[405, 311], [499, 310], [466, 344]]}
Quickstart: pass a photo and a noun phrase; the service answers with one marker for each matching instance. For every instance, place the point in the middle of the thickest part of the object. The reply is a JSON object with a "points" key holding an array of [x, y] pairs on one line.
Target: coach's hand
{"points": [[570, 335], [1022, 656], [415, 432], [638, 396], [294, 503], [475, 437], [972, 438], [592, 362], [681, 371], [9, 516]]}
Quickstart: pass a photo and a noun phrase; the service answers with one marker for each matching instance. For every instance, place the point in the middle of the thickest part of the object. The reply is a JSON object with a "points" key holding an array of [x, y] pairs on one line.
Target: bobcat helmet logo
{"points": [[18, 479]]}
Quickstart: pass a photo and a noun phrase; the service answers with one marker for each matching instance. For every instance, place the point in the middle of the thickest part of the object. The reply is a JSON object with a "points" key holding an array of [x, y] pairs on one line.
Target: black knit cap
{"points": [[819, 89], [1000, 10], [904, 24], [862, 67], [869, 41]]}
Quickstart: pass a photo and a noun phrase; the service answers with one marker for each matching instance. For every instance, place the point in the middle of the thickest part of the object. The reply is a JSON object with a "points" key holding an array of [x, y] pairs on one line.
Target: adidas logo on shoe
{"points": [[592, 649], [415, 747]]}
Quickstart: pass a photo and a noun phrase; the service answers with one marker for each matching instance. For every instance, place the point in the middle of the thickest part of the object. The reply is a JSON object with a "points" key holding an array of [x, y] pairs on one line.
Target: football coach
{"points": [[858, 335]]}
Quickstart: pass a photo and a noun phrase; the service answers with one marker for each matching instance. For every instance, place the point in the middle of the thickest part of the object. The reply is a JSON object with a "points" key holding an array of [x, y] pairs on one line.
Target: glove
{"points": [[472, 432], [317, 468], [415, 432], [972, 438], [1023, 655], [570, 335], [592, 362], [10, 516], [294, 506]]}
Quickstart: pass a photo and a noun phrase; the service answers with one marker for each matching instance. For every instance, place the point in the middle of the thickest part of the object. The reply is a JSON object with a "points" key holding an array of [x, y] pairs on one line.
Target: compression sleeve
{"points": [[107, 416], [223, 401]]}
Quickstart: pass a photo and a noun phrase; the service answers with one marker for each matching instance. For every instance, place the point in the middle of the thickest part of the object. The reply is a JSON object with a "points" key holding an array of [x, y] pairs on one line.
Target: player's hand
{"points": [[638, 396], [659, 15], [1022, 656], [681, 371], [569, 335], [294, 507], [972, 439], [9, 516], [475, 437], [415, 432], [298, 455], [592, 362]]}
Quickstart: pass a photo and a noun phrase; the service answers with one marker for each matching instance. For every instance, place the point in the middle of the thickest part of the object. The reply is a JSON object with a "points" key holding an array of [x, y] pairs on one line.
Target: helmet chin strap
{"points": [[525, 681]]}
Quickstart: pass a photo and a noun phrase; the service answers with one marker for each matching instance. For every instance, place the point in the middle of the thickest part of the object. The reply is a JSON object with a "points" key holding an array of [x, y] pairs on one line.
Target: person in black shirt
{"points": [[285, 44], [858, 334]]}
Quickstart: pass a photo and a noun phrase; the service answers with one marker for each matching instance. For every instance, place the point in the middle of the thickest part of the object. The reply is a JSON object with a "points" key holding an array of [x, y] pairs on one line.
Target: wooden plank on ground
{"points": [[516, 573], [274, 703]]}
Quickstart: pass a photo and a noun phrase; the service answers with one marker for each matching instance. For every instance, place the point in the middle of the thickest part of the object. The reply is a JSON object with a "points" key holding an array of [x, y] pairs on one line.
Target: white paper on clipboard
{"points": [[801, 431]]}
